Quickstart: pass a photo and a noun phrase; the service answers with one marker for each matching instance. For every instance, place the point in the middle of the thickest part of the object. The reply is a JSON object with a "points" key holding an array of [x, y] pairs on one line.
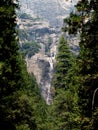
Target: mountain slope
{"points": [[40, 21]]}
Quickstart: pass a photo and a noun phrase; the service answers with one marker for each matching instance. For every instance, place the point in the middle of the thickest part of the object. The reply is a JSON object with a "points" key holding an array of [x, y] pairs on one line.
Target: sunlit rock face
{"points": [[52, 11], [44, 27]]}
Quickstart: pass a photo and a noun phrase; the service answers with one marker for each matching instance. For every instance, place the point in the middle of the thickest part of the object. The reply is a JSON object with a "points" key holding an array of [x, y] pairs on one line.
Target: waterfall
{"points": [[46, 81], [49, 96]]}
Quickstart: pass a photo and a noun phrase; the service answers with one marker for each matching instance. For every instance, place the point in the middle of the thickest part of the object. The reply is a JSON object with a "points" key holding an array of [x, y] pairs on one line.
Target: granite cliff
{"points": [[41, 21]]}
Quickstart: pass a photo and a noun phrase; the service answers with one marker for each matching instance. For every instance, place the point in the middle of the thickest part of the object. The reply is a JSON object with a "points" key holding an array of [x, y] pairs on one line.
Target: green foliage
{"points": [[22, 127], [75, 81], [74, 22], [65, 110], [86, 17], [29, 49], [63, 63], [19, 95]]}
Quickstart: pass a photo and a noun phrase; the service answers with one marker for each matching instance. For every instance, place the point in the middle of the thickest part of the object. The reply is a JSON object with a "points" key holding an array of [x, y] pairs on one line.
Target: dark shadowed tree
{"points": [[17, 90], [84, 21]]}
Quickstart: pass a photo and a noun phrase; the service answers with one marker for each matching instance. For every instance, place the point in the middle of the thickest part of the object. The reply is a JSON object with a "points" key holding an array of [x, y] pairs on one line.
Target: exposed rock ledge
{"points": [[42, 67]]}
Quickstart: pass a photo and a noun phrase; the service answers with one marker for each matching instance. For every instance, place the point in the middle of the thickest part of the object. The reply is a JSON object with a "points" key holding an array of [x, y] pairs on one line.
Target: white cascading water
{"points": [[46, 84], [49, 98]]}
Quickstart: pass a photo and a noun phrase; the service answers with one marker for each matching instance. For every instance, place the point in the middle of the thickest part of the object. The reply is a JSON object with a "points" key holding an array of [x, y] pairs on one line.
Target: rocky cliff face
{"points": [[52, 11], [41, 21]]}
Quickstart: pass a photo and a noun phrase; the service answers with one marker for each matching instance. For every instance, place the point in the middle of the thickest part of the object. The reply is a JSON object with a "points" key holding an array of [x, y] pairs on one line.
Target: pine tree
{"points": [[87, 60], [64, 111], [62, 64], [16, 97]]}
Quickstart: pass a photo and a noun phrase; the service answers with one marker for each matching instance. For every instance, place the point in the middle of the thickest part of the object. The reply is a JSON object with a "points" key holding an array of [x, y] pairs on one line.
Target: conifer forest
{"points": [[75, 77]]}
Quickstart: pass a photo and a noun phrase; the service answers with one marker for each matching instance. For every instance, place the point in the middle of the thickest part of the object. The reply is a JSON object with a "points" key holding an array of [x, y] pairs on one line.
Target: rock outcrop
{"points": [[41, 21]]}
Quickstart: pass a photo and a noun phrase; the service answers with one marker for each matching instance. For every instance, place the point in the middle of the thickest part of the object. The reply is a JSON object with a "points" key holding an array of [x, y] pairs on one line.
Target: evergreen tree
{"points": [[17, 90], [87, 17], [64, 110], [9, 61], [62, 64]]}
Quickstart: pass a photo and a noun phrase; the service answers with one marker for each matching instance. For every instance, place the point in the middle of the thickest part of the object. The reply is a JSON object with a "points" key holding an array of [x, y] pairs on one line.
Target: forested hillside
{"points": [[74, 83]]}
